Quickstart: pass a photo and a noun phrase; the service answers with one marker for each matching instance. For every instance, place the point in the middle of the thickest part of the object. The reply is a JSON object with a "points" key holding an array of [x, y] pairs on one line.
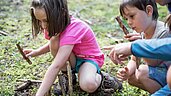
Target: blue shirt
{"points": [[154, 48]]}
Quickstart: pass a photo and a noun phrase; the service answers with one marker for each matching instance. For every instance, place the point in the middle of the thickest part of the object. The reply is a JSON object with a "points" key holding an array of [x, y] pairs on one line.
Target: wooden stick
{"points": [[125, 30], [24, 86], [69, 72], [22, 53], [28, 83], [32, 81], [3, 33]]}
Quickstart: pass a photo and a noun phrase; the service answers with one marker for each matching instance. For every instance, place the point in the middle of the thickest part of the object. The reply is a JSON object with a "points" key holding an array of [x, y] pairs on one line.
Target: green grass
{"points": [[15, 20]]}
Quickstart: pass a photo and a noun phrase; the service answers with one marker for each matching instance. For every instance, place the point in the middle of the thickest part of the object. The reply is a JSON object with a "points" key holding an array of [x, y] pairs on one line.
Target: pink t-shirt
{"points": [[82, 37]]}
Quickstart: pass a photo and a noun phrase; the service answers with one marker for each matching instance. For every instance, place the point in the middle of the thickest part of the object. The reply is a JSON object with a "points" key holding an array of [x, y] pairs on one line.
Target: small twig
{"points": [[28, 83], [3, 33], [69, 72], [24, 86], [33, 81], [22, 53]]}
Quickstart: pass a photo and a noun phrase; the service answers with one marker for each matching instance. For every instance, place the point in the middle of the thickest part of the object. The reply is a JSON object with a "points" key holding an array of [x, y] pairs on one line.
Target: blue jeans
{"points": [[158, 73]]}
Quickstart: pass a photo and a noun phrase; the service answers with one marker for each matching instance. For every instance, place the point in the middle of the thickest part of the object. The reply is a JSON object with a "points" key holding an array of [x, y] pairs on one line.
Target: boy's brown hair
{"points": [[57, 16], [141, 5]]}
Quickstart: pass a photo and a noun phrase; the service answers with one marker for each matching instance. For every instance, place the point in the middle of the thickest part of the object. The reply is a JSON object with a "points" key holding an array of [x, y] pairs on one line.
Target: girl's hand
{"points": [[133, 36], [29, 52], [123, 74]]}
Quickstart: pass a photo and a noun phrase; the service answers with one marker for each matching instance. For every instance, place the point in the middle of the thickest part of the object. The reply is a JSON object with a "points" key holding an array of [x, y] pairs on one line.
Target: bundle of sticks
{"points": [[125, 30]]}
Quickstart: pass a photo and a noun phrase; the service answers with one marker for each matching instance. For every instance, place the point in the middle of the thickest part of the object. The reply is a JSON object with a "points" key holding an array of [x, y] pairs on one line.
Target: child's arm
{"points": [[155, 48], [108, 47], [126, 72], [132, 65], [58, 62], [33, 53]]}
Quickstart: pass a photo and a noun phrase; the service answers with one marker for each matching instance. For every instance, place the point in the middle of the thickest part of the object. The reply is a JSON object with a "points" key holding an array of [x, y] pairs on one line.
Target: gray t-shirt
{"points": [[161, 31]]}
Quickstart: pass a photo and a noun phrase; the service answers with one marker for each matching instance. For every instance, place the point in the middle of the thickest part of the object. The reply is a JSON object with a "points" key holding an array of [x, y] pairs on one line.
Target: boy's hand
{"points": [[133, 36], [123, 74], [120, 52]]}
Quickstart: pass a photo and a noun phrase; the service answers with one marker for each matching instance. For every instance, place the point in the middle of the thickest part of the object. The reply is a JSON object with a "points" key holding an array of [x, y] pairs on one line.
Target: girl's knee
{"points": [[88, 85]]}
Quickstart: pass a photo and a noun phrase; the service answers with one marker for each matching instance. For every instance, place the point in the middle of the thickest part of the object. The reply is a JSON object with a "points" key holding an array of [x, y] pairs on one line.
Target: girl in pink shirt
{"points": [[70, 39]]}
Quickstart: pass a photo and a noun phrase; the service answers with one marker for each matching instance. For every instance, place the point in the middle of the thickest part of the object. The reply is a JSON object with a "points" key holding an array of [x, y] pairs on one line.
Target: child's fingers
{"points": [[108, 47], [133, 38], [122, 72], [126, 69], [133, 34], [28, 55], [121, 78], [26, 51], [123, 58]]}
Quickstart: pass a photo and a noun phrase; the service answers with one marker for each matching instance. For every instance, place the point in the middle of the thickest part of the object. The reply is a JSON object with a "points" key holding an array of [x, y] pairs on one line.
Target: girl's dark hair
{"points": [[168, 21], [57, 16], [141, 5]]}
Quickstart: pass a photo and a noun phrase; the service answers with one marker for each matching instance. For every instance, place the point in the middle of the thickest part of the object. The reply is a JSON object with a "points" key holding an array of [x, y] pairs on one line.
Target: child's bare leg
{"points": [[143, 76], [89, 80], [72, 60], [141, 80], [134, 82]]}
